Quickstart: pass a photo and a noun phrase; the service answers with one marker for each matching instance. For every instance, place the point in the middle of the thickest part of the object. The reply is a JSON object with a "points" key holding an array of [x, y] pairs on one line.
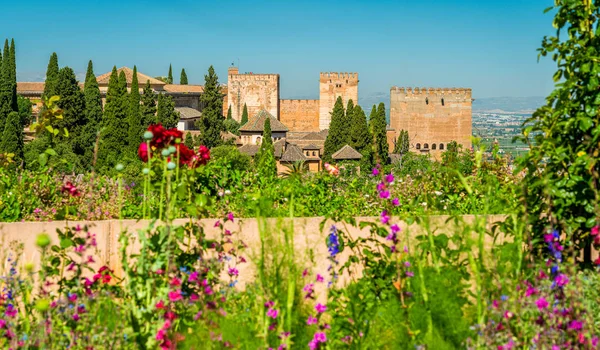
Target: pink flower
{"points": [[395, 228], [170, 316], [561, 280], [76, 317], [230, 216], [375, 172], [272, 313], [208, 290], [508, 314], [380, 187], [530, 291], [595, 230], [384, 194], [389, 178], [233, 271], [175, 282], [396, 202], [320, 337], [384, 217], [269, 304], [311, 320], [320, 308], [320, 278], [576, 325], [218, 224], [410, 274], [11, 311], [541, 303], [72, 297], [193, 277], [175, 296], [159, 272], [160, 305], [194, 297], [161, 335], [305, 273]]}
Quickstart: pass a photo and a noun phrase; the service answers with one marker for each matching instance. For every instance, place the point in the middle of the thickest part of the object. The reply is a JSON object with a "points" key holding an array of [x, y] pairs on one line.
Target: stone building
{"points": [[256, 91], [251, 133], [433, 117]]}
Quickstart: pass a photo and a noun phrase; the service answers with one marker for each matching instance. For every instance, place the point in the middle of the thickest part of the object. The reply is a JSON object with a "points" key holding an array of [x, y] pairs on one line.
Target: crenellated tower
{"points": [[433, 117], [331, 86], [257, 91]]}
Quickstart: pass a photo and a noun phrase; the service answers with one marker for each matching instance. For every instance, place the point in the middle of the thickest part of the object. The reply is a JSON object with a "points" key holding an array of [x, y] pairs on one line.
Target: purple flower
{"points": [[391, 237], [311, 320], [396, 202], [272, 313], [576, 325], [561, 280], [407, 263], [320, 308], [375, 172], [333, 244], [230, 216], [389, 178], [385, 217], [320, 337], [384, 194], [410, 274], [380, 187], [76, 317], [541, 303], [233, 271], [395, 228], [320, 278]]}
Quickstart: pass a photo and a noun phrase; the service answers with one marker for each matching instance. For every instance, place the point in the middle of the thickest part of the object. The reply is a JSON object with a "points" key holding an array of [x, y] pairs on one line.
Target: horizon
{"points": [[490, 48]]}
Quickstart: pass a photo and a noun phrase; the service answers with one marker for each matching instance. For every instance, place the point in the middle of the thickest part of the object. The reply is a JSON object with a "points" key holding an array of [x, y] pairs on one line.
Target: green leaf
{"points": [[43, 159], [66, 243], [51, 152]]}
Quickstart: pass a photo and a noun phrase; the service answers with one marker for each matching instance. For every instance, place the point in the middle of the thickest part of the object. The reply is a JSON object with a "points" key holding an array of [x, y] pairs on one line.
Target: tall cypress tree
{"points": [[148, 107], [183, 78], [360, 138], [189, 140], [13, 75], [379, 130], [93, 116], [267, 167], [51, 76], [12, 137], [72, 102], [6, 91], [336, 138], [114, 135], [347, 121], [244, 115], [134, 119], [170, 76], [167, 115], [229, 117], [211, 123]]}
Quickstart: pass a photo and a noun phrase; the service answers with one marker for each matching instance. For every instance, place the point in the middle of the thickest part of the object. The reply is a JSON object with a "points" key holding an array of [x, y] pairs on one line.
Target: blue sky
{"points": [[487, 45]]}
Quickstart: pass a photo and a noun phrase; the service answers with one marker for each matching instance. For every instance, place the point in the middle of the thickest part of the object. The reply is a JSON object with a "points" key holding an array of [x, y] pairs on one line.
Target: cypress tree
{"points": [[189, 140], [25, 110], [211, 123], [360, 138], [379, 131], [6, 90], [170, 76], [336, 138], [244, 115], [51, 76], [148, 108], [93, 116], [347, 121], [134, 119], [183, 79], [12, 137], [267, 167], [13, 75], [72, 102], [114, 135], [167, 115], [405, 143], [229, 113]]}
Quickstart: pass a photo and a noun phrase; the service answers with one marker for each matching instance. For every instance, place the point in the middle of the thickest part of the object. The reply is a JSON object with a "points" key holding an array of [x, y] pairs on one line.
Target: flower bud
{"points": [[119, 167], [165, 152], [171, 165], [148, 135], [172, 149], [43, 240], [145, 171], [42, 305]]}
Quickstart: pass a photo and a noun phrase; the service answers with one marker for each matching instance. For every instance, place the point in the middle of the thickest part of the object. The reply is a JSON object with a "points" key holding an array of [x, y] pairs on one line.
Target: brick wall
{"points": [[299, 115], [331, 86], [257, 91]]}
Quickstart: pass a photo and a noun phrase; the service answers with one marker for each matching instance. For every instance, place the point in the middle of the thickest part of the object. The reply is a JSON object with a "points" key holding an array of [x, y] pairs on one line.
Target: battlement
{"points": [[409, 91], [338, 75], [290, 102], [253, 76]]}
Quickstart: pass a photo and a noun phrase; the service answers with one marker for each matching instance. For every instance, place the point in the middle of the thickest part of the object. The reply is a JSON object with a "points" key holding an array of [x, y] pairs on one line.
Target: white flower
{"points": [[438, 193], [228, 192]]}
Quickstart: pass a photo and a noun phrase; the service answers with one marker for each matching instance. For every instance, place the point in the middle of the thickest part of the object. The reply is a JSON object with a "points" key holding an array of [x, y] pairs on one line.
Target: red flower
{"points": [[203, 154], [106, 278], [186, 155], [70, 189], [158, 135], [172, 134], [143, 152]]}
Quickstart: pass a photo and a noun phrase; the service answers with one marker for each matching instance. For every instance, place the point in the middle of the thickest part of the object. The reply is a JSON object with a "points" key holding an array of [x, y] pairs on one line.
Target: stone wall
{"points": [[257, 91], [299, 115], [432, 116], [331, 86]]}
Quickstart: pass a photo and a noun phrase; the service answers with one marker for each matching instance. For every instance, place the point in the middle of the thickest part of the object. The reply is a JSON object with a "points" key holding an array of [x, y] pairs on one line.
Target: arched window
{"points": [[442, 101], [426, 146], [433, 146], [418, 146], [441, 146], [314, 153]]}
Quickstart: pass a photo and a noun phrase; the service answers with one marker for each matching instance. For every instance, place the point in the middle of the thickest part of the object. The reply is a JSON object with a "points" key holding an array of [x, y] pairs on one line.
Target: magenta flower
{"points": [[305, 273], [395, 228], [530, 291], [385, 217], [311, 320], [561, 280], [396, 202], [391, 236], [407, 263], [375, 172], [230, 216], [320, 308], [384, 194], [380, 187], [194, 297], [272, 313], [175, 296], [11, 311], [410, 274], [72, 297], [269, 304], [320, 337], [175, 282], [233, 271], [541, 303], [193, 277], [320, 278], [389, 178], [76, 317], [218, 224], [160, 304], [576, 325]]}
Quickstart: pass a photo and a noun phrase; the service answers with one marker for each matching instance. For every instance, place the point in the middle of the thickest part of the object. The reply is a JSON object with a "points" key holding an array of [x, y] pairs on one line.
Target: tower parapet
{"points": [[331, 86]]}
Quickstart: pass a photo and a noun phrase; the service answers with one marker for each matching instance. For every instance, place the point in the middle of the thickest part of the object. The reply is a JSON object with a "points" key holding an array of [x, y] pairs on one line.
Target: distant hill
{"points": [[508, 104]]}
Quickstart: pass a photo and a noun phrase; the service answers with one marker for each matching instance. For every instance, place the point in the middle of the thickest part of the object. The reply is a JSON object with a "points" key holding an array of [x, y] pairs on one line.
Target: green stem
{"points": [[162, 191]]}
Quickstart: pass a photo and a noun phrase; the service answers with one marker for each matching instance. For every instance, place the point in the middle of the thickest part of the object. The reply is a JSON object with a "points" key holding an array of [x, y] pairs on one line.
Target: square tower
{"points": [[257, 91], [433, 117], [331, 86]]}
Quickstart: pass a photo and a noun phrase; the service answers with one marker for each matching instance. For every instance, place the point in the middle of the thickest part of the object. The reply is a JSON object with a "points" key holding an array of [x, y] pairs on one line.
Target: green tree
{"points": [[244, 115], [93, 116], [360, 138], [134, 117], [267, 166], [12, 137], [25, 110], [114, 134], [232, 126], [148, 108], [229, 113], [183, 80], [170, 76], [402, 144], [348, 120], [336, 138], [5, 87], [51, 76], [211, 123], [379, 130], [13, 75], [167, 115], [230, 157], [72, 102], [561, 168], [189, 140]]}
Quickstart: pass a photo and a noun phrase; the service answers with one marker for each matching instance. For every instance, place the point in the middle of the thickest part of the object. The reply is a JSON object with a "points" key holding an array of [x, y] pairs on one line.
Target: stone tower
{"points": [[331, 86], [257, 91], [433, 117]]}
